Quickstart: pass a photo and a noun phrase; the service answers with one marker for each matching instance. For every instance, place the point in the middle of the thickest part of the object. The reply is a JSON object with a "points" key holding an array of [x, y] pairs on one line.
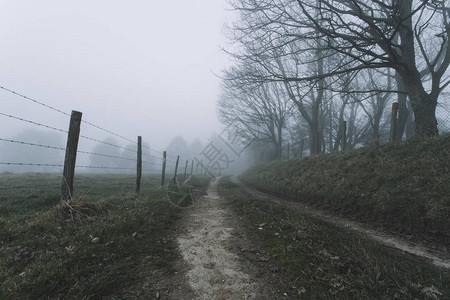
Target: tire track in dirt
{"points": [[437, 258], [215, 272]]}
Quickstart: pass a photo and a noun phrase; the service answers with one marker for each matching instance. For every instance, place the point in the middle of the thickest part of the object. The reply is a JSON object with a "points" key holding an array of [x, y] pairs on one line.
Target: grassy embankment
{"points": [[404, 186], [311, 259], [107, 242]]}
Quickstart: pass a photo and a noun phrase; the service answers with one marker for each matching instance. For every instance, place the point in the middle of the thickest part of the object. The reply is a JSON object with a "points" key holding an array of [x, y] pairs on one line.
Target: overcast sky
{"points": [[140, 67]]}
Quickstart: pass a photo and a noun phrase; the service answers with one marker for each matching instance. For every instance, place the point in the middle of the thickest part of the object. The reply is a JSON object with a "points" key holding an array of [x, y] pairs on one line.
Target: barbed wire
{"points": [[108, 131], [62, 112], [106, 155], [63, 149], [80, 151], [107, 168], [152, 156], [32, 122], [34, 100], [126, 139], [56, 165], [106, 143], [67, 114], [32, 144], [29, 164], [157, 151], [171, 160]]}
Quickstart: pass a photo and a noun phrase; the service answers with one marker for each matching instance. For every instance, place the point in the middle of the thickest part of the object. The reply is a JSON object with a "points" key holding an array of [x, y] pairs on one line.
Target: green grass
{"points": [[405, 184], [321, 261], [107, 242], [27, 193], [179, 193]]}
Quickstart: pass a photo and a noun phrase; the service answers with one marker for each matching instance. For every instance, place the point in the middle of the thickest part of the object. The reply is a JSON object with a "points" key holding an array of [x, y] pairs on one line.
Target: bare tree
{"points": [[376, 106], [260, 113], [409, 36]]}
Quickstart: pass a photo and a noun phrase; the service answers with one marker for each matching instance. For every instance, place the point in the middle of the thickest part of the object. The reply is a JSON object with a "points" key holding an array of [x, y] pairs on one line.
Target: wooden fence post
{"points": [[176, 170], [344, 135], [392, 136], [185, 170], [192, 167], [71, 155], [139, 165], [163, 176]]}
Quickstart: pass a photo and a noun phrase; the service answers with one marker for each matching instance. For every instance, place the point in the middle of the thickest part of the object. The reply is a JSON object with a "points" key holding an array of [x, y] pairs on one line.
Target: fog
{"points": [[134, 68]]}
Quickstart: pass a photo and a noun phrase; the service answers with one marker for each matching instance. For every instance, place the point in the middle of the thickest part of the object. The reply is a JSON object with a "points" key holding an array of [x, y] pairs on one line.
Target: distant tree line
{"points": [[302, 68]]}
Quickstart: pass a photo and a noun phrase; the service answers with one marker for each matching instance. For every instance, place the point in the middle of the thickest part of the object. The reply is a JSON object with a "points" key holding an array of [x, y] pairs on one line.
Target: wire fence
{"points": [[106, 155]]}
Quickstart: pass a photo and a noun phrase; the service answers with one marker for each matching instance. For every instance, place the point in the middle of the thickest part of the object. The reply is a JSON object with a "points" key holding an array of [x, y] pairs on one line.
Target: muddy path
{"points": [[213, 269], [438, 257]]}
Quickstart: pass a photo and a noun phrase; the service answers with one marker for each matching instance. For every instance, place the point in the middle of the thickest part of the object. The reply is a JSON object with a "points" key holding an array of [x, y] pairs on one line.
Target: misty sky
{"points": [[133, 67]]}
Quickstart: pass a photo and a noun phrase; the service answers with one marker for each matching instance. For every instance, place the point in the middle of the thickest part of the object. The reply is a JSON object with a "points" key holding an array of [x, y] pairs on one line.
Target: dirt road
{"points": [[219, 260], [438, 257], [214, 270]]}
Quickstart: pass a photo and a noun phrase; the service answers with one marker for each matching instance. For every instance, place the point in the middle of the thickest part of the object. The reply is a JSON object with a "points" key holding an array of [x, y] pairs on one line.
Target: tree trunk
{"points": [[424, 107], [410, 130], [314, 136], [425, 117], [402, 108], [340, 122], [351, 127], [313, 140], [423, 104], [279, 143]]}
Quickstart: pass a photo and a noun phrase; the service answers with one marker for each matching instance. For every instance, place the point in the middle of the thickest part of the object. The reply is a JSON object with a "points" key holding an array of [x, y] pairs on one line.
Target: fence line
{"points": [[107, 131], [106, 143], [106, 168], [169, 161], [157, 151], [105, 155], [152, 156], [35, 101], [29, 164], [63, 149], [32, 144], [34, 123], [64, 113]]}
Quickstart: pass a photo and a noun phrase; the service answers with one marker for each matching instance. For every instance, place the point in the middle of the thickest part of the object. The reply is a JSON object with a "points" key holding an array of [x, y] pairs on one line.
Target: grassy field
{"points": [[403, 186], [107, 242], [315, 260]]}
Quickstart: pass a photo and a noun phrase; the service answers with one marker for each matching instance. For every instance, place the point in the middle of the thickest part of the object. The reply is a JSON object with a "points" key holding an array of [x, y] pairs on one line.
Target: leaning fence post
{"points": [[139, 165], [393, 122], [163, 176], [71, 155], [176, 170], [185, 170], [192, 167], [344, 135]]}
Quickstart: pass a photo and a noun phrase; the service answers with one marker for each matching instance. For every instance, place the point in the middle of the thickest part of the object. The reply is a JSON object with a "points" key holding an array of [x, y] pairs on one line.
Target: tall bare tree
{"points": [[409, 36], [259, 113]]}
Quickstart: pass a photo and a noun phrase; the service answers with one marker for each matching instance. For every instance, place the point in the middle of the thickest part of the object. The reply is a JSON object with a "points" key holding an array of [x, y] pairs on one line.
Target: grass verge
{"points": [[320, 261], [107, 242], [403, 185]]}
